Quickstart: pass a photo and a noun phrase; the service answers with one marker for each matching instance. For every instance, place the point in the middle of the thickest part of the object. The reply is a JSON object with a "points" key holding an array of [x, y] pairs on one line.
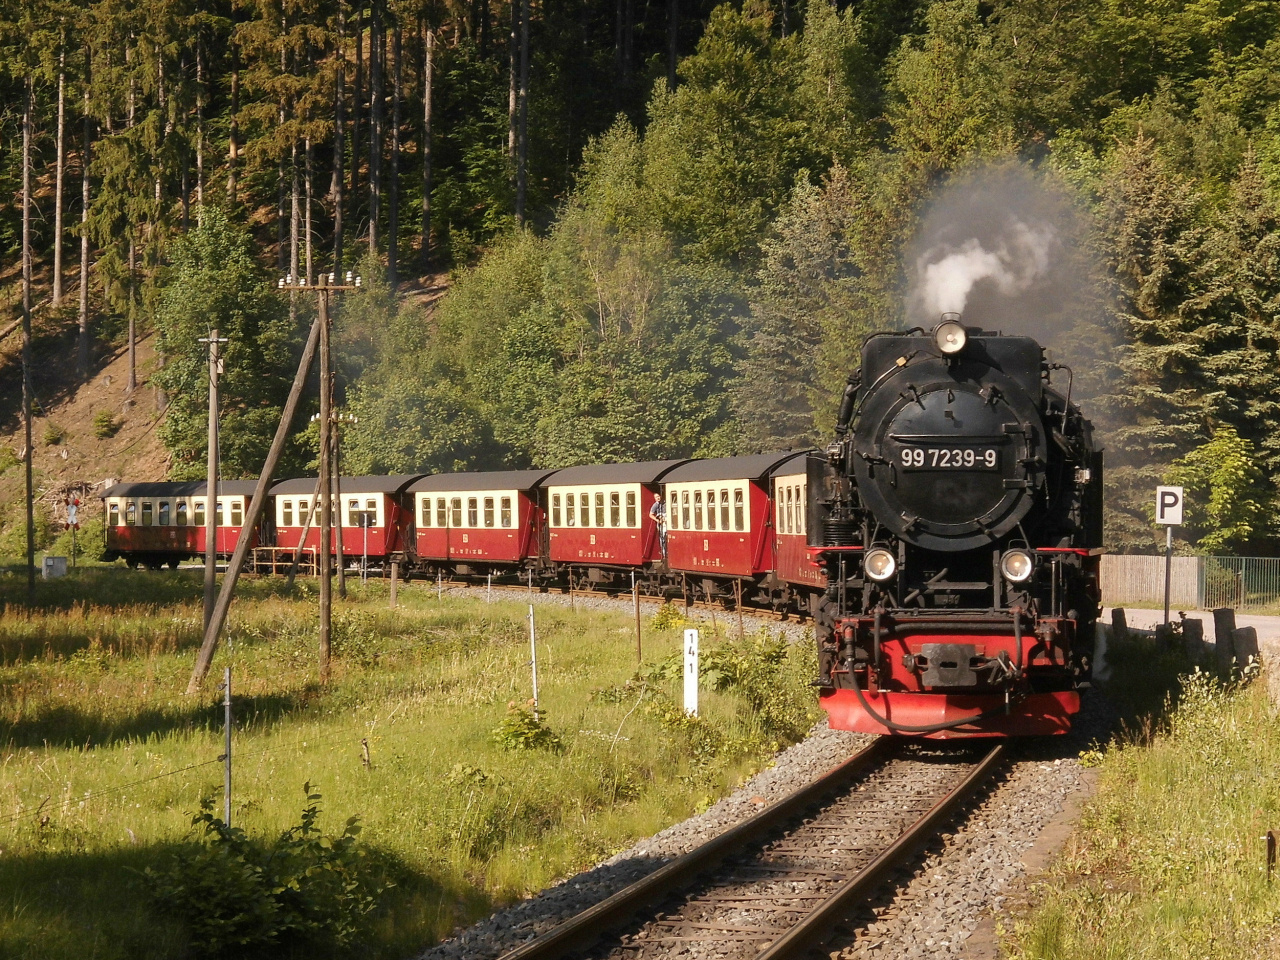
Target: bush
{"points": [[105, 425], [305, 889], [8, 458], [53, 434], [521, 730]]}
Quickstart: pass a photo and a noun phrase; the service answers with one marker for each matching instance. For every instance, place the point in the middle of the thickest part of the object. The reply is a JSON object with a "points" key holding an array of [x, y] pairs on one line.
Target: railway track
{"points": [[775, 886]]}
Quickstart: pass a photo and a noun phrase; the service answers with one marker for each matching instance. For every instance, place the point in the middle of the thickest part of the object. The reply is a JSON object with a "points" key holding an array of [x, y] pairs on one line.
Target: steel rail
{"points": [[817, 925], [586, 927]]}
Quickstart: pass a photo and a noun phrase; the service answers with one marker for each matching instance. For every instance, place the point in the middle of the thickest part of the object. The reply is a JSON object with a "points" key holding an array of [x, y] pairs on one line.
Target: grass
{"points": [[105, 760], [1168, 861]]}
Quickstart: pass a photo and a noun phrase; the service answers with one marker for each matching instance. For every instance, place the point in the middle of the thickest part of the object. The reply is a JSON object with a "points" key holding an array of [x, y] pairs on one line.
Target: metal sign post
{"points": [[691, 672], [1169, 503]]}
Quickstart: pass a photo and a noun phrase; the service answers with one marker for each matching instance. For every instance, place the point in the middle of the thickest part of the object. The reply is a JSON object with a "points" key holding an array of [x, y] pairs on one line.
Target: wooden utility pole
{"points": [[256, 507], [211, 484], [28, 106], [258, 504], [326, 485]]}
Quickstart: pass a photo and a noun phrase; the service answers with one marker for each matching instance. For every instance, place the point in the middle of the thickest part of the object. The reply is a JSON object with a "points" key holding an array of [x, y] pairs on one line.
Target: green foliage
{"points": [[53, 434], [668, 617], [106, 425], [217, 285], [8, 458], [522, 729], [1229, 503], [234, 894]]}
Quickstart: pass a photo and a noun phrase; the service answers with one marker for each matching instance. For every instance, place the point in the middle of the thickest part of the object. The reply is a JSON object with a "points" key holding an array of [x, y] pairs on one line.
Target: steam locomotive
{"points": [[958, 515]]}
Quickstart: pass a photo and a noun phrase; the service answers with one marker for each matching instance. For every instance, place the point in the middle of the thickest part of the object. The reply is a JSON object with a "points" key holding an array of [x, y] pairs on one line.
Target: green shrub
{"points": [[521, 730], [235, 894], [8, 458], [105, 425], [53, 434]]}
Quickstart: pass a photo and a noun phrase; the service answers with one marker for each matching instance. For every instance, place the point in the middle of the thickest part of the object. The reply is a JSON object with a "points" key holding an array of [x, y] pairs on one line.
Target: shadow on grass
{"points": [[67, 904], [73, 725]]}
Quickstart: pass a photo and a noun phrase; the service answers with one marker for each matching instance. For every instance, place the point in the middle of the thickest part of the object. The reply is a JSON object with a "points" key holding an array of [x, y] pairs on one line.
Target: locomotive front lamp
{"points": [[1017, 565], [879, 564], [950, 335]]}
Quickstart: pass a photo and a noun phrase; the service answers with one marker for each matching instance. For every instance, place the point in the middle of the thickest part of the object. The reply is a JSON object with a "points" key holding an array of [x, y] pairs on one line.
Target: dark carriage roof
{"points": [[648, 472], [498, 480], [755, 467], [306, 486], [179, 488]]}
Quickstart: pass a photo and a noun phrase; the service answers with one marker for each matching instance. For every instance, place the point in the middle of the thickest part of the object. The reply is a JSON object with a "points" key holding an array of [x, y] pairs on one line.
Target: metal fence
{"points": [[1202, 582]]}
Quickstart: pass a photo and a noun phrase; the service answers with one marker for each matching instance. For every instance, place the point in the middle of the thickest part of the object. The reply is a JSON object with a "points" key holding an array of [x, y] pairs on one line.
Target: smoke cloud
{"points": [[1002, 248]]}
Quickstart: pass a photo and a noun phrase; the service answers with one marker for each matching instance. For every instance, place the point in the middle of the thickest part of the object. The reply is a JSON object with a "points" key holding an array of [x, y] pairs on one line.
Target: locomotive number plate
{"points": [[949, 458]]}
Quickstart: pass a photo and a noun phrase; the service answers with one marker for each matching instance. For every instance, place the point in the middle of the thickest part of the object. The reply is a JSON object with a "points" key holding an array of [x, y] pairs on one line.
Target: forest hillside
{"points": [[664, 229]]}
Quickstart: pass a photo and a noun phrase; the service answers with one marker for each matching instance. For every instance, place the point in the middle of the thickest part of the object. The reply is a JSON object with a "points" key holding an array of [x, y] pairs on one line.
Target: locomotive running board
{"points": [[1039, 714]]}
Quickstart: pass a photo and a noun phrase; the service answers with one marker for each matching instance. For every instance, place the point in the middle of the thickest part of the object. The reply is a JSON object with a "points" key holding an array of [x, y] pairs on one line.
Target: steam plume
{"points": [[1018, 260]]}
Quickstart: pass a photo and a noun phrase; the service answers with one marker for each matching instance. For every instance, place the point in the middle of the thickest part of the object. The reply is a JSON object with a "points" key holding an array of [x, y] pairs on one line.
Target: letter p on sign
{"points": [[1169, 505]]}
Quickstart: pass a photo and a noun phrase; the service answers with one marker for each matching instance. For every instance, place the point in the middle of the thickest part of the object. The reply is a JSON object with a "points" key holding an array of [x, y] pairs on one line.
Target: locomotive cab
{"points": [[961, 515]]}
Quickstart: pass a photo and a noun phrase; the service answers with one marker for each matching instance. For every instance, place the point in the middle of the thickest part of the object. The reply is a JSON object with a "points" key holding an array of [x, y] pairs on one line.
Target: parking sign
{"points": [[1169, 505]]}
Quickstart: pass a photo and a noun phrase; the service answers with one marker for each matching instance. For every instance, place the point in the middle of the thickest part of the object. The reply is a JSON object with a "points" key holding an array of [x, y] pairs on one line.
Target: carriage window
{"points": [[115, 514], [506, 511], [584, 510], [556, 515], [353, 513], [697, 509], [371, 512], [724, 509], [473, 512], [488, 511], [631, 508], [456, 509], [198, 519], [146, 513], [237, 513], [711, 509], [286, 513], [164, 513], [130, 513], [426, 511], [739, 516], [615, 509], [800, 505], [442, 513], [673, 515], [218, 521], [600, 509], [684, 510]]}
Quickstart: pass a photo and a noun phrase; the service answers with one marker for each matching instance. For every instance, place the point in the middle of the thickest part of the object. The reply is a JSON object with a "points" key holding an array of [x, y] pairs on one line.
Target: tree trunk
{"points": [[82, 353], [673, 24], [513, 85], [376, 61], [199, 132], [336, 182], [522, 160], [132, 382], [357, 93], [484, 29], [234, 130], [293, 213], [59, 175], [393, 177], [428, 69], [27, 110], [309, 196]]}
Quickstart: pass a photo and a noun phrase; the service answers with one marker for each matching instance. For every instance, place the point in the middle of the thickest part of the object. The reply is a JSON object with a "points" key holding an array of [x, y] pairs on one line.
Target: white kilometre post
{"points": [[691, 672], [1169, 503]]}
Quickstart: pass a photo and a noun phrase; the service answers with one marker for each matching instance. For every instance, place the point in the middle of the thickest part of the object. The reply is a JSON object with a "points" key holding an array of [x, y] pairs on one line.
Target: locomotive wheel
{"points": [[131, 563], [173, 564]]}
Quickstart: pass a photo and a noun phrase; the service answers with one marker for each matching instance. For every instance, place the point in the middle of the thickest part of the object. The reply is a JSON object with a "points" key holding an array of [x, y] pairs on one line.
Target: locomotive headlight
{"points": [[950, 337], [1016, 565], [879, 564]]}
